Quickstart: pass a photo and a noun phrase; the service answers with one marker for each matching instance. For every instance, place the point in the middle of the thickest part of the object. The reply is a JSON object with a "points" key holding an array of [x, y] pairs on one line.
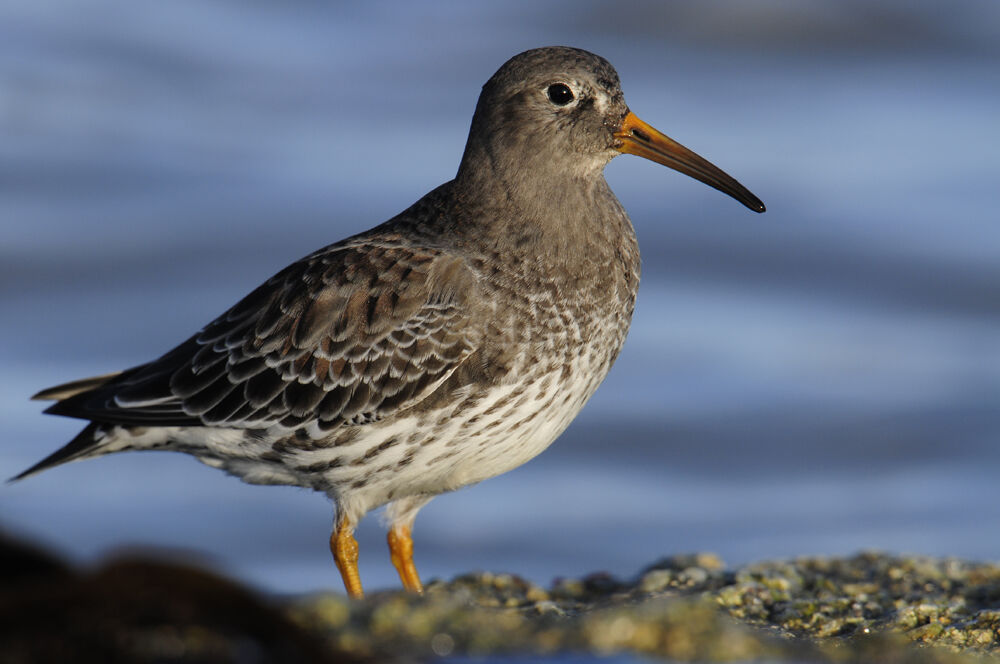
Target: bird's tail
{"points": [[87, 441], [85, 444], [67, 390]]}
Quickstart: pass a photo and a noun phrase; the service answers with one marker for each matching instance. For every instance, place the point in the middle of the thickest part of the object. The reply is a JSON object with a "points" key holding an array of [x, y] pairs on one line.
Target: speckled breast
{"points": [[561, 331]]}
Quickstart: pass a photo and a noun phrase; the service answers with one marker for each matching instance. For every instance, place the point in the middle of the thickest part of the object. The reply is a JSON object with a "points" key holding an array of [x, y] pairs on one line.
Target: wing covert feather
{"points": [[351, 334]]}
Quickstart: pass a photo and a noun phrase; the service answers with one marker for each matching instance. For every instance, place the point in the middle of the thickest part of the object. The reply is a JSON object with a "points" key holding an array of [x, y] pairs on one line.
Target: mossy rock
{"points": [[869, 607]]}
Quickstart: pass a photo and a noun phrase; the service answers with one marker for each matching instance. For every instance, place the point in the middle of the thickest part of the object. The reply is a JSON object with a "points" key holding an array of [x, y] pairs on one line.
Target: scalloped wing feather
{"points": [[351, 334]]}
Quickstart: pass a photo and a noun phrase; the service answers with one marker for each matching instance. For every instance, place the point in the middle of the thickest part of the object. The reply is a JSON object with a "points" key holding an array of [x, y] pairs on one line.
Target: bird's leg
{"points": [[345, 554], [401, 551]]}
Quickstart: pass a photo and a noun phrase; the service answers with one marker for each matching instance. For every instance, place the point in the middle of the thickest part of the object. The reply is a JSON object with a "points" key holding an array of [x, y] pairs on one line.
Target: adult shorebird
{"points": [[447, 345]]}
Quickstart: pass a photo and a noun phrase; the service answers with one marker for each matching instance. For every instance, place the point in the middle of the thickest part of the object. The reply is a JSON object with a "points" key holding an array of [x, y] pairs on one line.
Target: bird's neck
{"points": [[526, 197]]}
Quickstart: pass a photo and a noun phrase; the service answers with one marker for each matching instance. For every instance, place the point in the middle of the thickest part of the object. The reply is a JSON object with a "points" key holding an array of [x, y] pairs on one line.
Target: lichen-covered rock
{"points": [[866, 608], [943, 601]]}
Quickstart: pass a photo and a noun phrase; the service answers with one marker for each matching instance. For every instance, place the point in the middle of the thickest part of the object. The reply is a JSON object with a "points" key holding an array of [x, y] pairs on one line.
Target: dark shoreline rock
{"points": [[868, 607], [138, 610]]}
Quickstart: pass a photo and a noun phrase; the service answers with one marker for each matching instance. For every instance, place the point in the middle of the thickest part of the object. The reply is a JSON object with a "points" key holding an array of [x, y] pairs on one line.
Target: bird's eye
{"points": [[559, 94]]}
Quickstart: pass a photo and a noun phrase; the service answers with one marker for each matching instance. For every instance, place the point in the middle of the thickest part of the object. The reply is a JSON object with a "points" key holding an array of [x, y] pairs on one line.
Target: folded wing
{"points": [[349, 334]]}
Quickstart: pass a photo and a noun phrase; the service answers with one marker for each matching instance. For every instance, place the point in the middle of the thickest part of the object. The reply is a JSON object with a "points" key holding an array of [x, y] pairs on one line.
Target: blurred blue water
{"points": [[820, 379]]}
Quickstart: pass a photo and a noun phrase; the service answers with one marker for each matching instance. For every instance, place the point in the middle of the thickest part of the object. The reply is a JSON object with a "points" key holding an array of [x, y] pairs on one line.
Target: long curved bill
{"points": [[640, 139]]}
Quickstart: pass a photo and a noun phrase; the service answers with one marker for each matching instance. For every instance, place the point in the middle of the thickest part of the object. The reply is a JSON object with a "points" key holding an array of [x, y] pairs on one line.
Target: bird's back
{"points": [[421, 348]]}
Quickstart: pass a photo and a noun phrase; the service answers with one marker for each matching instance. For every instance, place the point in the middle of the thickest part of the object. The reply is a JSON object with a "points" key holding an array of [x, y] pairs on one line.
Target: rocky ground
{"points": [[870, 607]]}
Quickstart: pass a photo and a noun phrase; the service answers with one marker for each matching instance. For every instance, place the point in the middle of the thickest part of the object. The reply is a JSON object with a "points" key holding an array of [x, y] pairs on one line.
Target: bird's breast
{"points": [[568, 312]]}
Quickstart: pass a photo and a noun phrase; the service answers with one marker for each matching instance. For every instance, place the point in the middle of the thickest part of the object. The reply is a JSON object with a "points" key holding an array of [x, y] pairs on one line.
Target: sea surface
{"points": [[820, 379]]}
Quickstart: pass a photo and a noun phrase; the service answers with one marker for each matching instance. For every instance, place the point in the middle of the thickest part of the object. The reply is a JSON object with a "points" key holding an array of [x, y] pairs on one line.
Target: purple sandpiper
{"points": [[450, 344]]}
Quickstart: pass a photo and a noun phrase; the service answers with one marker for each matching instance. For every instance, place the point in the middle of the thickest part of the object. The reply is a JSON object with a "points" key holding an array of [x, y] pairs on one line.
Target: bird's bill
{"points": [[638, 138]]}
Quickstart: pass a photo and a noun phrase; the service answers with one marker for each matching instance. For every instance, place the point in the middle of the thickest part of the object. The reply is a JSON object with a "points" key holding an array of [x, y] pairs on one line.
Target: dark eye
{"points": [[559, 94]]}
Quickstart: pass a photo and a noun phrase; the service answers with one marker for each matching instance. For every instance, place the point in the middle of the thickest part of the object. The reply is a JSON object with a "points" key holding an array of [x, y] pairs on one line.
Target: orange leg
{"points": [[345, 554], [401, 551]]}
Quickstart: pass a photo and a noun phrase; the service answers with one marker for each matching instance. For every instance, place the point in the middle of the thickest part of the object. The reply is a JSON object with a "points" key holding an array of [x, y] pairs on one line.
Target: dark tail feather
{"points": [[85, 441]]}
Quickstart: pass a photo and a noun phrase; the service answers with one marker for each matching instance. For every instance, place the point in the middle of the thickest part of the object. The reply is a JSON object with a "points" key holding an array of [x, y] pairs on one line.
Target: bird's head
{"points": [[559, 112]]}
